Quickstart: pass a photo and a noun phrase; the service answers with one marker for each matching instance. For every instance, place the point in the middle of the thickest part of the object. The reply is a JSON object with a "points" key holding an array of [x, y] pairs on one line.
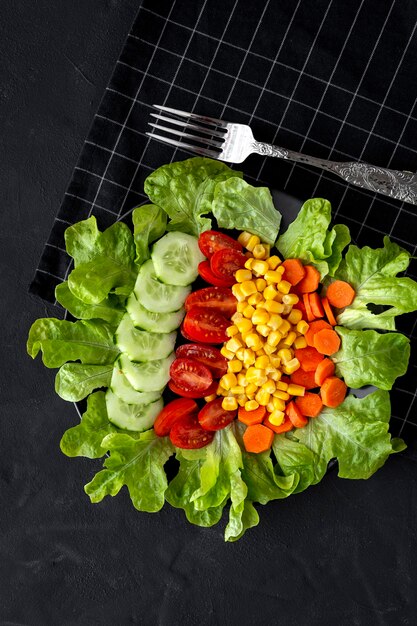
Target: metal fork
{"points": [[225, 141]]}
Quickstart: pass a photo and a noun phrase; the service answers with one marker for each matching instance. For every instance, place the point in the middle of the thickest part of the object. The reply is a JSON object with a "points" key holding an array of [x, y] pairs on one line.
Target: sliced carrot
{"points": [[306, 302], [323, 371], [315, 304], [251, 417], [328, 310], [258, 438], [309, 358], [314, 328], [294, 271], [310, 404], [340, 294], [297, 418], [333, 391], [310, 282], [286, 425], [305, 379], [327, 341]]}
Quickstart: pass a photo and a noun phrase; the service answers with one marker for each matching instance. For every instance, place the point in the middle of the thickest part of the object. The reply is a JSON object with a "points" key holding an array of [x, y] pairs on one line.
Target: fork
{"points": [[225, 141]]}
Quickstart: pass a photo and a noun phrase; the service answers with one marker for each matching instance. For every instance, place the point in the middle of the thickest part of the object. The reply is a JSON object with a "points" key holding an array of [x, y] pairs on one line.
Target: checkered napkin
{"points": [[331, 79]]}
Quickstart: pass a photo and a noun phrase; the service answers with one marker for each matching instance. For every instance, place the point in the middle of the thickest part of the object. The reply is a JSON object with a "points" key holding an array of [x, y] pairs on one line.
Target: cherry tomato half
{"points": [[190, 375], [187, 433], [192, 394], [173, 411], [207, 355], [205, 325], [214, 417], [210, 241], [219, 298], [206, 274], [224, 263]]}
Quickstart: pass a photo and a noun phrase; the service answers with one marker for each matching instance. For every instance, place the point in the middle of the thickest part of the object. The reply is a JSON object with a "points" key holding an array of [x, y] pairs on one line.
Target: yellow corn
{"points": [[300, 342], [294, 316], [275, 375], [274, 261], [244, 238], [263, 330], [261, 304], [277, 417], [260, 352], [241, 380], [248, 287], [234, 344], [238, 293], [227, 353], [237, 390], [255, 298], [274, 338], [270, 406], [282, 386], [232, 330], [253, 241], [268, 349], [285, 327], [290, 298], [251, 405], [285, 354], [248, 263], [275, 360], [275, 321], [244, 325], [240, 307], [262, 397], [241, 399], [251, 389], [296, 390], [248, 357], [253, 374], [290, 338], [282, 395], [262, 362], [302, 327], [243, 275], [239, 354], [229, 403], [234, 366], [270, 292], [259, 251], [284, 286], [274, 307], [272, 276], [287, 309], [221, 391], [248, 311], [210, 398], [259, 267], [279, 404], [269, 386], [260, 284], [291, 366], [254, 341], [261, 316], [228, 381]]}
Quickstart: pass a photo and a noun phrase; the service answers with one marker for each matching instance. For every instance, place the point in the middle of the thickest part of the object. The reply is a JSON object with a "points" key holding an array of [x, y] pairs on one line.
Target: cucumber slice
{"points": [[141, 345], [154, 322], [176, 257], [156, 296], [136, 417], [147, 376], [124, 390]]}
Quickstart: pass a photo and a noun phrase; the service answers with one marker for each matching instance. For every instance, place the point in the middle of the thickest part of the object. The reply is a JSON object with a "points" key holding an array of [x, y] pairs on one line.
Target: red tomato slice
{"points": [[172, 412], [192, 394], [207, 355], [214, 417], [224, 263], [187, 433], [190, 375], [210, 241], [205, 325], [206, 274], [219, 298]]}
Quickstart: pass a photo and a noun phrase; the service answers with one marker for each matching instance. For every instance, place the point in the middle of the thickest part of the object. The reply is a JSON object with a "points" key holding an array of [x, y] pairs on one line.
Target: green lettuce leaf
{"points": [[149, 223], [184, 190], [240, 205], [82, 240], [369, 358], [60, 341], [108, 309], [137, 462], [85, 439], [308, 238], [74, 381], [355, 433], [373, 275]]}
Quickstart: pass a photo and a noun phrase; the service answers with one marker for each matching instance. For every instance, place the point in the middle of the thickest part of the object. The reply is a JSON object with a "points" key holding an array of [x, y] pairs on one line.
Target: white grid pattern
{"points": [[142, 98]]}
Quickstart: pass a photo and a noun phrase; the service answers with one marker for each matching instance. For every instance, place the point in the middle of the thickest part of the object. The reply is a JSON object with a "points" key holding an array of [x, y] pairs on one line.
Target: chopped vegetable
{"points": [[327, 341], [173, 411], [214, 417], [328, 310], [285, 427], [313, 328], [295, 415], [340, 294], [188, 433], [310, 404], [324, 370], [309, 312], [305, 379], [208, 275], [310, 282], [309, 358], [315, 304], [258, 438], [333, 391], [294, 271], [255, 416]]}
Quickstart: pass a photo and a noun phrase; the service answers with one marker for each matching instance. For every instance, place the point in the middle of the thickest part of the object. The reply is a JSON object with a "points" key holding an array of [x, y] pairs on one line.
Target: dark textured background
{"points": [[343, 553]]}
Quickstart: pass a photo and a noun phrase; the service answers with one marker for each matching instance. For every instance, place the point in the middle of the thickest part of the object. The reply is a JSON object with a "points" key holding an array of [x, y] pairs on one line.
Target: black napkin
{"points": [[331, 79]]}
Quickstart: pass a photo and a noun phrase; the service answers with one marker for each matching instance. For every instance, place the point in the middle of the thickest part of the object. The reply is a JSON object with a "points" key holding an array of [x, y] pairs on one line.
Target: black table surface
{"points": [[344, 552]]}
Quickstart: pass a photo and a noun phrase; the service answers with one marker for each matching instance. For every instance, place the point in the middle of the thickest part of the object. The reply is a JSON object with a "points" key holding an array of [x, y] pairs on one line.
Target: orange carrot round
{"points": [[340, 294], [328, 310], [323, 371], [310, 282], [314, 328], [294, 271], [308, 357], [251, 417], [297, 418], [285, 427], [310, 404], [306, 302], [315, 304], [305, 379], [258, 438], [333, 391], [327, 341]]}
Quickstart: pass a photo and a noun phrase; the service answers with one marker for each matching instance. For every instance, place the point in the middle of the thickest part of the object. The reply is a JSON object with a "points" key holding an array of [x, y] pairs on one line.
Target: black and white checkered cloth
{"points": [[328, 78]]}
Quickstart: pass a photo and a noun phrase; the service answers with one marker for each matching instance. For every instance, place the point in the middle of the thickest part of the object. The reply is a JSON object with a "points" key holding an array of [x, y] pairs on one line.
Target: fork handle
{"points": [[392, 183]]}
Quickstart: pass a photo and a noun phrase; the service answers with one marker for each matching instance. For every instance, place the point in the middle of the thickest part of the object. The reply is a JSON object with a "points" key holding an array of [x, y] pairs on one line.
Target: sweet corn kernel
{"points": [[290, 298], [255, 298], [294, 316], [282, 386], [228, 381], [244, 237], [237, 390], [242, 399], [287, 309], [275, 321], [248, 311], [290, 338], [261, 316], [278, 298], [248, 263], [229, 404], [269, 386], [296, 390], [262, 362], [285, 355], [284, 328], [267, 247], [259, 267], [241, 380], [253, 241], [244, 325], [263, 329], [268, 349], [302, 327], [240, 354], [291, 366], [232, 331], [251, 389], [282, 395], [259, 251], [284, 286], [279, 405], [260, 352], [271, 276], [275, 360], [261, 304], [262, 397], [221, 391], [227, 353], [240, 307], [274, 307], [242, 275], [270, 407], [234, 366], [277, 417], [248, 357], [234, 344], [274, 338], [254, 341], [300, 342], [210, 398], [275, 375], [260, 284], [248, 287], [238, 293], [270, 292], [274, 261], [253, 374], [251, 405]]}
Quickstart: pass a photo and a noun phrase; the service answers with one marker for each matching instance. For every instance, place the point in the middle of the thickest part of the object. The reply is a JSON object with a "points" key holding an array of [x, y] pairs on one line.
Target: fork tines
{"points": [[206, 133]]}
